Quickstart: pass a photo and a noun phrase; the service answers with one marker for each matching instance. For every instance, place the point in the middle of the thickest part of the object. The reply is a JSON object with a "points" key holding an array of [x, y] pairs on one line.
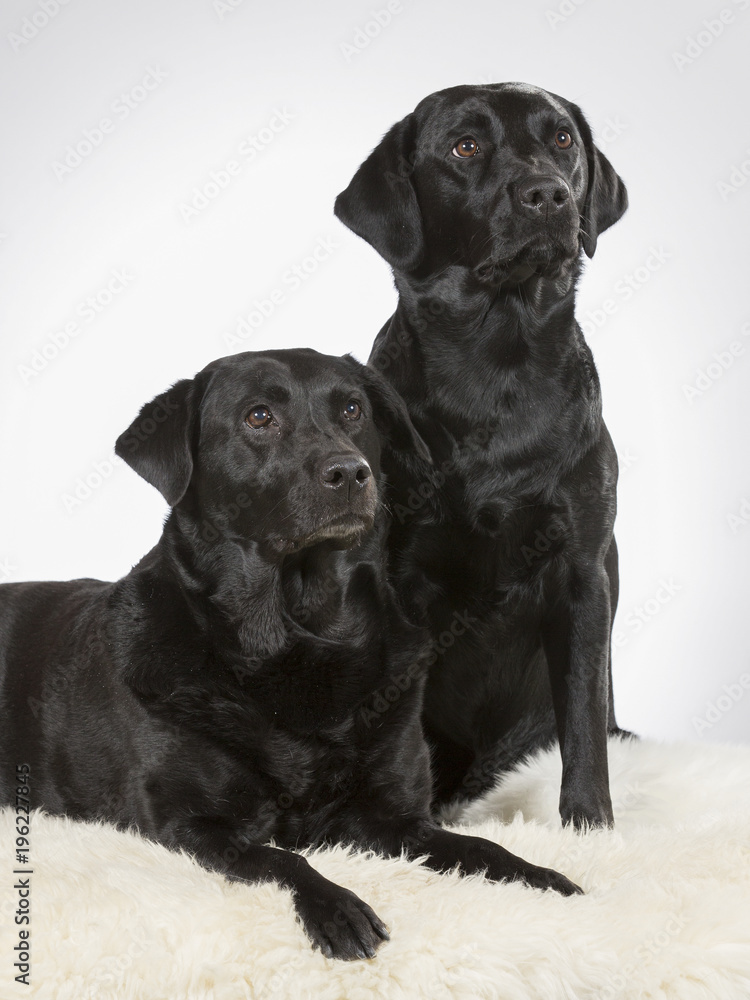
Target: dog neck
{"points": [[524, 314], [453, 340], [509, 363], [249, 599]]}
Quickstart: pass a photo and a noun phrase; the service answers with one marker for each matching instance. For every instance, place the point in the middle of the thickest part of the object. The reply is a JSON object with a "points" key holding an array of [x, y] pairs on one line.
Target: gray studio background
{"points": [[170, 170]]}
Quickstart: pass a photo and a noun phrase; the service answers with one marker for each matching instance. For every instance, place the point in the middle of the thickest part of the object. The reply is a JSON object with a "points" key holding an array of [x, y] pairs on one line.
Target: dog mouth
{"points": [[343, 532], [547, 257]]}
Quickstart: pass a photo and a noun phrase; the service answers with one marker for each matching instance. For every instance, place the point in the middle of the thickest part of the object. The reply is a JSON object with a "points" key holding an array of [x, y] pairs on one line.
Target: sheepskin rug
{"points": [[666, 912]]}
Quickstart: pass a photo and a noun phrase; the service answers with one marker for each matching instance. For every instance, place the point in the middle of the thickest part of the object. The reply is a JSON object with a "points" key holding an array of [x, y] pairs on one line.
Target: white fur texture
{"points": [[666, 912]]}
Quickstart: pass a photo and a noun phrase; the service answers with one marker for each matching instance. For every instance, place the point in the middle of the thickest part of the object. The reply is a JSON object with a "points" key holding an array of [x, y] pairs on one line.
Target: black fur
{"points": [[237, 685], [514, 525]]}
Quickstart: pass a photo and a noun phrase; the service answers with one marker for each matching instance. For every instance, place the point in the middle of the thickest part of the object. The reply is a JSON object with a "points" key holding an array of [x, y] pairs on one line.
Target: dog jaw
{"points": [[345, 533], [548, 257]]}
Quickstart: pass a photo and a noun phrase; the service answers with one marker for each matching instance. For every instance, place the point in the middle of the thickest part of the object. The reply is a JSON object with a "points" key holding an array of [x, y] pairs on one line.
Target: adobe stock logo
{"points": [[88, 310], [711, 29], [721, 362], [87, 484], [34, 23], [261, 309], [220, 179], [639, 616], [121, 108], [565, 10], [363, 35], [625, 288], [738, 176], [716, 710]]}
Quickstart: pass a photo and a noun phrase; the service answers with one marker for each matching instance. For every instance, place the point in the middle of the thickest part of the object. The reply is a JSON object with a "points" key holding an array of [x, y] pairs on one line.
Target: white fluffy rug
{"points": [[666, 914]]}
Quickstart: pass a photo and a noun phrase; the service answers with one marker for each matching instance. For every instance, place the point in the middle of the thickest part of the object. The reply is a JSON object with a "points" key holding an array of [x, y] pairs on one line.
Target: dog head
{"points": [[504, 180], [278, 447]]}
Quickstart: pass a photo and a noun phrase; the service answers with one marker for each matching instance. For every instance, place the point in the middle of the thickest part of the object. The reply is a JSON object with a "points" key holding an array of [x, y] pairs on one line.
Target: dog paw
{"points": [[548, 878], [586, 809], [340, 924], [502, 866], [592, 817]]}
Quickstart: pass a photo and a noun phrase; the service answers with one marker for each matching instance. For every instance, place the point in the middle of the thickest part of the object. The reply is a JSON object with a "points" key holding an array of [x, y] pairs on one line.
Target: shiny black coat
{"points": [[252, 678], [483, 200]]}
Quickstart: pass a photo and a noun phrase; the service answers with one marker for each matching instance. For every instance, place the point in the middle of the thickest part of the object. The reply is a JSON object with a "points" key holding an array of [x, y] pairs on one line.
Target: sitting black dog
{"points": [[220, 695], [483, 201]]}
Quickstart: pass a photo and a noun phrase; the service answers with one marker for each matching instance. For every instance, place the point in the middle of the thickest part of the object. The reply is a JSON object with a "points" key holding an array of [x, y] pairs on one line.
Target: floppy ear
{"points": [[606, 195], [606, 199], [158, 444], [390, 414], [380, 204]]}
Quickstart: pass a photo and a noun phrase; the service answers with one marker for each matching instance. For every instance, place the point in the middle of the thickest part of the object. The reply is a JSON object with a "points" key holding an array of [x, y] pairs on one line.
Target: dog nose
{"points": [[346, 473], [548, 193]]}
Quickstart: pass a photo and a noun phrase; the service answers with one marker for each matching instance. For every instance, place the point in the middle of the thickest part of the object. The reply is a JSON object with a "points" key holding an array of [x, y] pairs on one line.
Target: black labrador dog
{"points": [[220, 695], [481, 201]]}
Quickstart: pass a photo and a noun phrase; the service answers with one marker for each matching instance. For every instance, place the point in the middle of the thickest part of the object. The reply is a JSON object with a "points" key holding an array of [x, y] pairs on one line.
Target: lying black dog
{"points": [[480, 200], [219, 695]]}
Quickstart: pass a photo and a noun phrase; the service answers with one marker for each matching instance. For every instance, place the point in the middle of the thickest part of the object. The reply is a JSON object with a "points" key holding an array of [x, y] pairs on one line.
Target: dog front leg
{"points": [[334, 918], [576, 637], [443, 851]]}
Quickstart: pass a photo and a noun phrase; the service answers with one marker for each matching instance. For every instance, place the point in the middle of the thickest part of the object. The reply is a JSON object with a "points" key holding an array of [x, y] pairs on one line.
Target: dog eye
{"points": [[563, 139], [352, 410], [261, 416], [466, 147]]}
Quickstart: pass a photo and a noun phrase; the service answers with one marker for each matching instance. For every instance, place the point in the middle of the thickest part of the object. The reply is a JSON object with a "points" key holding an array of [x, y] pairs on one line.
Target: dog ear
{"points": [[380, 204], [390, 414], [158, 445], [606, 195], [606, 199]]}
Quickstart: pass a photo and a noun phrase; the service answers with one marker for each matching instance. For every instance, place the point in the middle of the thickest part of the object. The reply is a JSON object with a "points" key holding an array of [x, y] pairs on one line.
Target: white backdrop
{"points": [[171, 167]]}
